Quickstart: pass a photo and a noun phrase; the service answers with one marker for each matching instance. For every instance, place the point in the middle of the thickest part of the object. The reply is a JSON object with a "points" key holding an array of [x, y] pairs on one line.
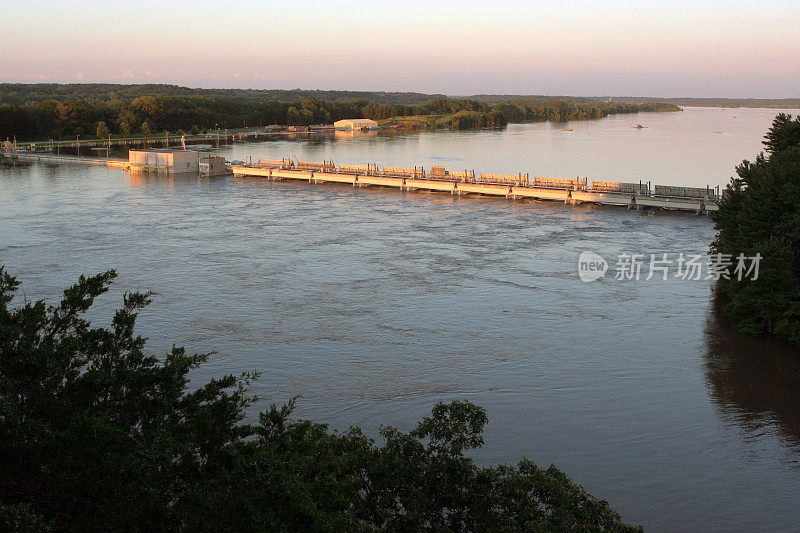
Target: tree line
{"points": [[56, 119], [94, 93]]}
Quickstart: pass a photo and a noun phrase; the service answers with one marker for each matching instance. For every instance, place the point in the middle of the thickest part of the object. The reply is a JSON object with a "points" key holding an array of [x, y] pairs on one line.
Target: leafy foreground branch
{"points": [[96, 435]]}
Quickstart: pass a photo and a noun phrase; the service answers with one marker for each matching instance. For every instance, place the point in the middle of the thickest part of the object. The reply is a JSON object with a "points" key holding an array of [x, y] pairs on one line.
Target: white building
{"points": [[164, 160], [355, 124]]}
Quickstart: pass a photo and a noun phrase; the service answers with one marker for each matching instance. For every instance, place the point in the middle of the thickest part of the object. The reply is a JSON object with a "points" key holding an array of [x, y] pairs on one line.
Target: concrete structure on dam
{"points": [[164, 160]]}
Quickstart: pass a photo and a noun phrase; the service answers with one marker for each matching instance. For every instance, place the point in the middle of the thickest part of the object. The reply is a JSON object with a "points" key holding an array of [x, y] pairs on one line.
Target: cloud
{"points": [[152, 74], [45, 76], [238, 75], [80, 76], [127, 74], [259, 75]]}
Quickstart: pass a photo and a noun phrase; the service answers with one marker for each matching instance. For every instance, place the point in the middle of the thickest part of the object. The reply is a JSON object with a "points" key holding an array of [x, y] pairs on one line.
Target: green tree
{"points": [[149, 105], [295, 117], [759, 213], [97, 435], [784, 134], [561, 111], [22, 517], [432, 122], [146, 130], [127, 121], [102, 130]]}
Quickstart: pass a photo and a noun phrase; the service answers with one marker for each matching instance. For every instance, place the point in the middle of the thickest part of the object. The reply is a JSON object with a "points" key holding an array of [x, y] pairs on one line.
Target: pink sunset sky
{"points": [[726, 49]]}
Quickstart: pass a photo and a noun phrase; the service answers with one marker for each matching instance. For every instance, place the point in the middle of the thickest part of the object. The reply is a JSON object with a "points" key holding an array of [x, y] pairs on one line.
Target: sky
{"points": [[700, 48]]}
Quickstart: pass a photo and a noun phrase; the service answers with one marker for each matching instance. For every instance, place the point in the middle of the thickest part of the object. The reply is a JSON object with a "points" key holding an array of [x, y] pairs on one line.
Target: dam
{"points": [[641, 195], [513, 186]]}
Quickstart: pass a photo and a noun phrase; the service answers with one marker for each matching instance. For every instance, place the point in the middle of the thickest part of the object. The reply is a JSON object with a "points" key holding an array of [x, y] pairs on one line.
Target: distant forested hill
{"points": [[779, 103], [782, 103], [536, 98], [55, 111], [95, 93]]}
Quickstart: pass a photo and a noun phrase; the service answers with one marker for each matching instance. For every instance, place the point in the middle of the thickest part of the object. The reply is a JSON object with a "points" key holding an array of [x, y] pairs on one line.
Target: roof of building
{"points": [[161, 150], [357, 121]]}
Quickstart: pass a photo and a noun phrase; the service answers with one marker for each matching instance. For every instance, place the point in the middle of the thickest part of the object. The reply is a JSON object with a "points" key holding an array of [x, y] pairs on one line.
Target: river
{"points": [[373, 304]]}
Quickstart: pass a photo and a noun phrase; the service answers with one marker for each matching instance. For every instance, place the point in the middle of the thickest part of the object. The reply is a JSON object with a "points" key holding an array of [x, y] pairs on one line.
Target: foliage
{"points": [[784, 134], [759, 212], [431, 122], [44, 111], [21, 517], [102, 130], [97, 435], [146, 129], [97, 93]]}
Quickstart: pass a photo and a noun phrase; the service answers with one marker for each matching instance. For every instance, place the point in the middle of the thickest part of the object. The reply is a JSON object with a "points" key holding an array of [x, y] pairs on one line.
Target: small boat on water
{"points": [[639, 126], [567, 129]]}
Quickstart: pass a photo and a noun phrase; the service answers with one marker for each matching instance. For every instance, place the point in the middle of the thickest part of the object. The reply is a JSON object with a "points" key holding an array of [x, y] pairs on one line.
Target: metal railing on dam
{"points": [[569, 190]]}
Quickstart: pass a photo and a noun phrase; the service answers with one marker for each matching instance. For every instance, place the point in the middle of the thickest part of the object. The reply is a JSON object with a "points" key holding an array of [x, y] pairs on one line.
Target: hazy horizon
{"points": [[672, 50]]}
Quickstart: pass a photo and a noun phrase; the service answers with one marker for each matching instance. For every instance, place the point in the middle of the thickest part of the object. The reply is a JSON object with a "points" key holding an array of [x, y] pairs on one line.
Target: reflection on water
{"points": [[140, 179], [755, 383]]}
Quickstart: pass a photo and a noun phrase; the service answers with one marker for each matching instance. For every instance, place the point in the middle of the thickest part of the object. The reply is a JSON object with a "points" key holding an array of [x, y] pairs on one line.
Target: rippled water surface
{"points": [[372, 304]]}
